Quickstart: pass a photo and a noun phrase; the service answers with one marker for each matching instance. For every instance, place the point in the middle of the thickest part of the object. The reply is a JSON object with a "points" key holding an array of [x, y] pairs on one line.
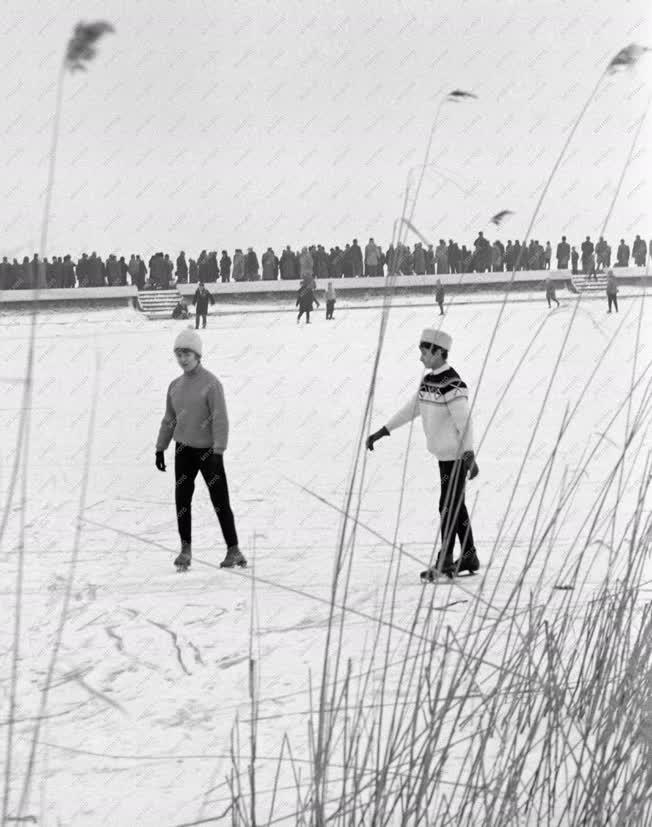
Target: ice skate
{"points": [[440, 571], [184, 559], [234, 557], [433, 574], [467, 563]]}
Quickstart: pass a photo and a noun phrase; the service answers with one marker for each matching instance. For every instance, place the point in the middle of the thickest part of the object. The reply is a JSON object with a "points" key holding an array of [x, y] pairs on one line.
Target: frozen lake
{"points": [[154, 666]]}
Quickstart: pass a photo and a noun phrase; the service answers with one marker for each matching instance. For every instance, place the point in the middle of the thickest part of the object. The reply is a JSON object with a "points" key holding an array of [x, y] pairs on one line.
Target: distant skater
{"points": [[551, 294], [306, 299], [202, 297], [330, 300], [442, 402], [196, 417], [612, 290], [439, 296]]}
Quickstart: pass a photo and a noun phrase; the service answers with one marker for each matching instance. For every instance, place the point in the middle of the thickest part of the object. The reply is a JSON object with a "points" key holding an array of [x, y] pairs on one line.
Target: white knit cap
{"points": [[436, 337], [188, 338]]}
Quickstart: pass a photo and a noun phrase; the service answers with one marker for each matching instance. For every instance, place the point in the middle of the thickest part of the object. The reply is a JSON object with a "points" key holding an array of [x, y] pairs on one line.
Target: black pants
{"points": [[187, 462], [199, 316], [612, 300], [455, 521], [301, 312], [330, 305]]}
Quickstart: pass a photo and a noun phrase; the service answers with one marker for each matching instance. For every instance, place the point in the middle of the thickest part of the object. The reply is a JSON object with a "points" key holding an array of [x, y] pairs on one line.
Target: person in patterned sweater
{"points": [[442, 400], [196, 417]]}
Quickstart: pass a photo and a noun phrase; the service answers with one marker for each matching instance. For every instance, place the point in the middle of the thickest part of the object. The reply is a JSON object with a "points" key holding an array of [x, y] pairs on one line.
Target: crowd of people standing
{"points": [[315, 261]]}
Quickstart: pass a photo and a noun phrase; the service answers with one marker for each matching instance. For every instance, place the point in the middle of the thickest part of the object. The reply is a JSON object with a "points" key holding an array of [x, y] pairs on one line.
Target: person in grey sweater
{"points": [[196, 417]]}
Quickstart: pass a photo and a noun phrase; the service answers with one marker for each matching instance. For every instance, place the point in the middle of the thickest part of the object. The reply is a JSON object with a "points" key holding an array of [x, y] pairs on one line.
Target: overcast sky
{"points": [[228, 124]]}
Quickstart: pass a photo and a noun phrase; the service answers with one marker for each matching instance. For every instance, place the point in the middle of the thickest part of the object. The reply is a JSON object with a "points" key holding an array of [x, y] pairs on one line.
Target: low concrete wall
{"points": [[87, 296], [362, 287]]}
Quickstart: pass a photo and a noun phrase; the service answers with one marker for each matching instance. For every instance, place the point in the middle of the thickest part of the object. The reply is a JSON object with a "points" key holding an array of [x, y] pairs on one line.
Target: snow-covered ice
{"points": [[154, 666]]}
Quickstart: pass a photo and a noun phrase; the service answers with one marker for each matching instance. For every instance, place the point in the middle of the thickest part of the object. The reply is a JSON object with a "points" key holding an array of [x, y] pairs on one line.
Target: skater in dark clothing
{"points": [[551, 295], [305, 300], [612, 290], [439, 296], [442, 401], [196, 417], [202, 297]]}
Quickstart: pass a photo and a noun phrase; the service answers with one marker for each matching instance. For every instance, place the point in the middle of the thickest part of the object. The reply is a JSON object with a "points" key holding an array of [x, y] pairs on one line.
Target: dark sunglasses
{"points": [[426, 345]]}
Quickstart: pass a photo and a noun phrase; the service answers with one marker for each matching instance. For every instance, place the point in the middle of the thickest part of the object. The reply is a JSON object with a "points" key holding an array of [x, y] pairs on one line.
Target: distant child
{"points": [[181, 310], [439, 296], [330, 300], [612, 290]]}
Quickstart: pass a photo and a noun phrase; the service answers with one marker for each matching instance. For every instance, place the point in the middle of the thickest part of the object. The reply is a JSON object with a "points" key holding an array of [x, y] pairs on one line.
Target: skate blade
{"points": [[437, 577], [181, 569]]}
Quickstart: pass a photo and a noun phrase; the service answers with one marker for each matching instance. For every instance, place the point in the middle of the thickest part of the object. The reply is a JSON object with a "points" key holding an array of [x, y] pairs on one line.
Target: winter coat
{"points": [[238, 267], [612, 286], [201, 299], [336, 263], [193, 271], [113, 271], [288, 265], [41, 274], [622, 255], [321, 264], [268, 260], [225, 267], [371, 255], [305, 264], [356, 259], [430, 261], [68, 273], [419, 260], [142, 274], [252, 266], [347, 263], [306, 298], [563, 254], [441, 257], [182, 268], [4, 275], [212, 268]]}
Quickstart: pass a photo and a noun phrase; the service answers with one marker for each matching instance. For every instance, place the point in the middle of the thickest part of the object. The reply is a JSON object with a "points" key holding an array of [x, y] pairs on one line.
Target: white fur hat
{"points": [[436, 337], [188, 338]]}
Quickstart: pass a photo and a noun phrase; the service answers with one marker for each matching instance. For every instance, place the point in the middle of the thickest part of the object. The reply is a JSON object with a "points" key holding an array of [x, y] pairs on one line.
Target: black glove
{"points": [[470, 465], [375, 437], [160, 461]]}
